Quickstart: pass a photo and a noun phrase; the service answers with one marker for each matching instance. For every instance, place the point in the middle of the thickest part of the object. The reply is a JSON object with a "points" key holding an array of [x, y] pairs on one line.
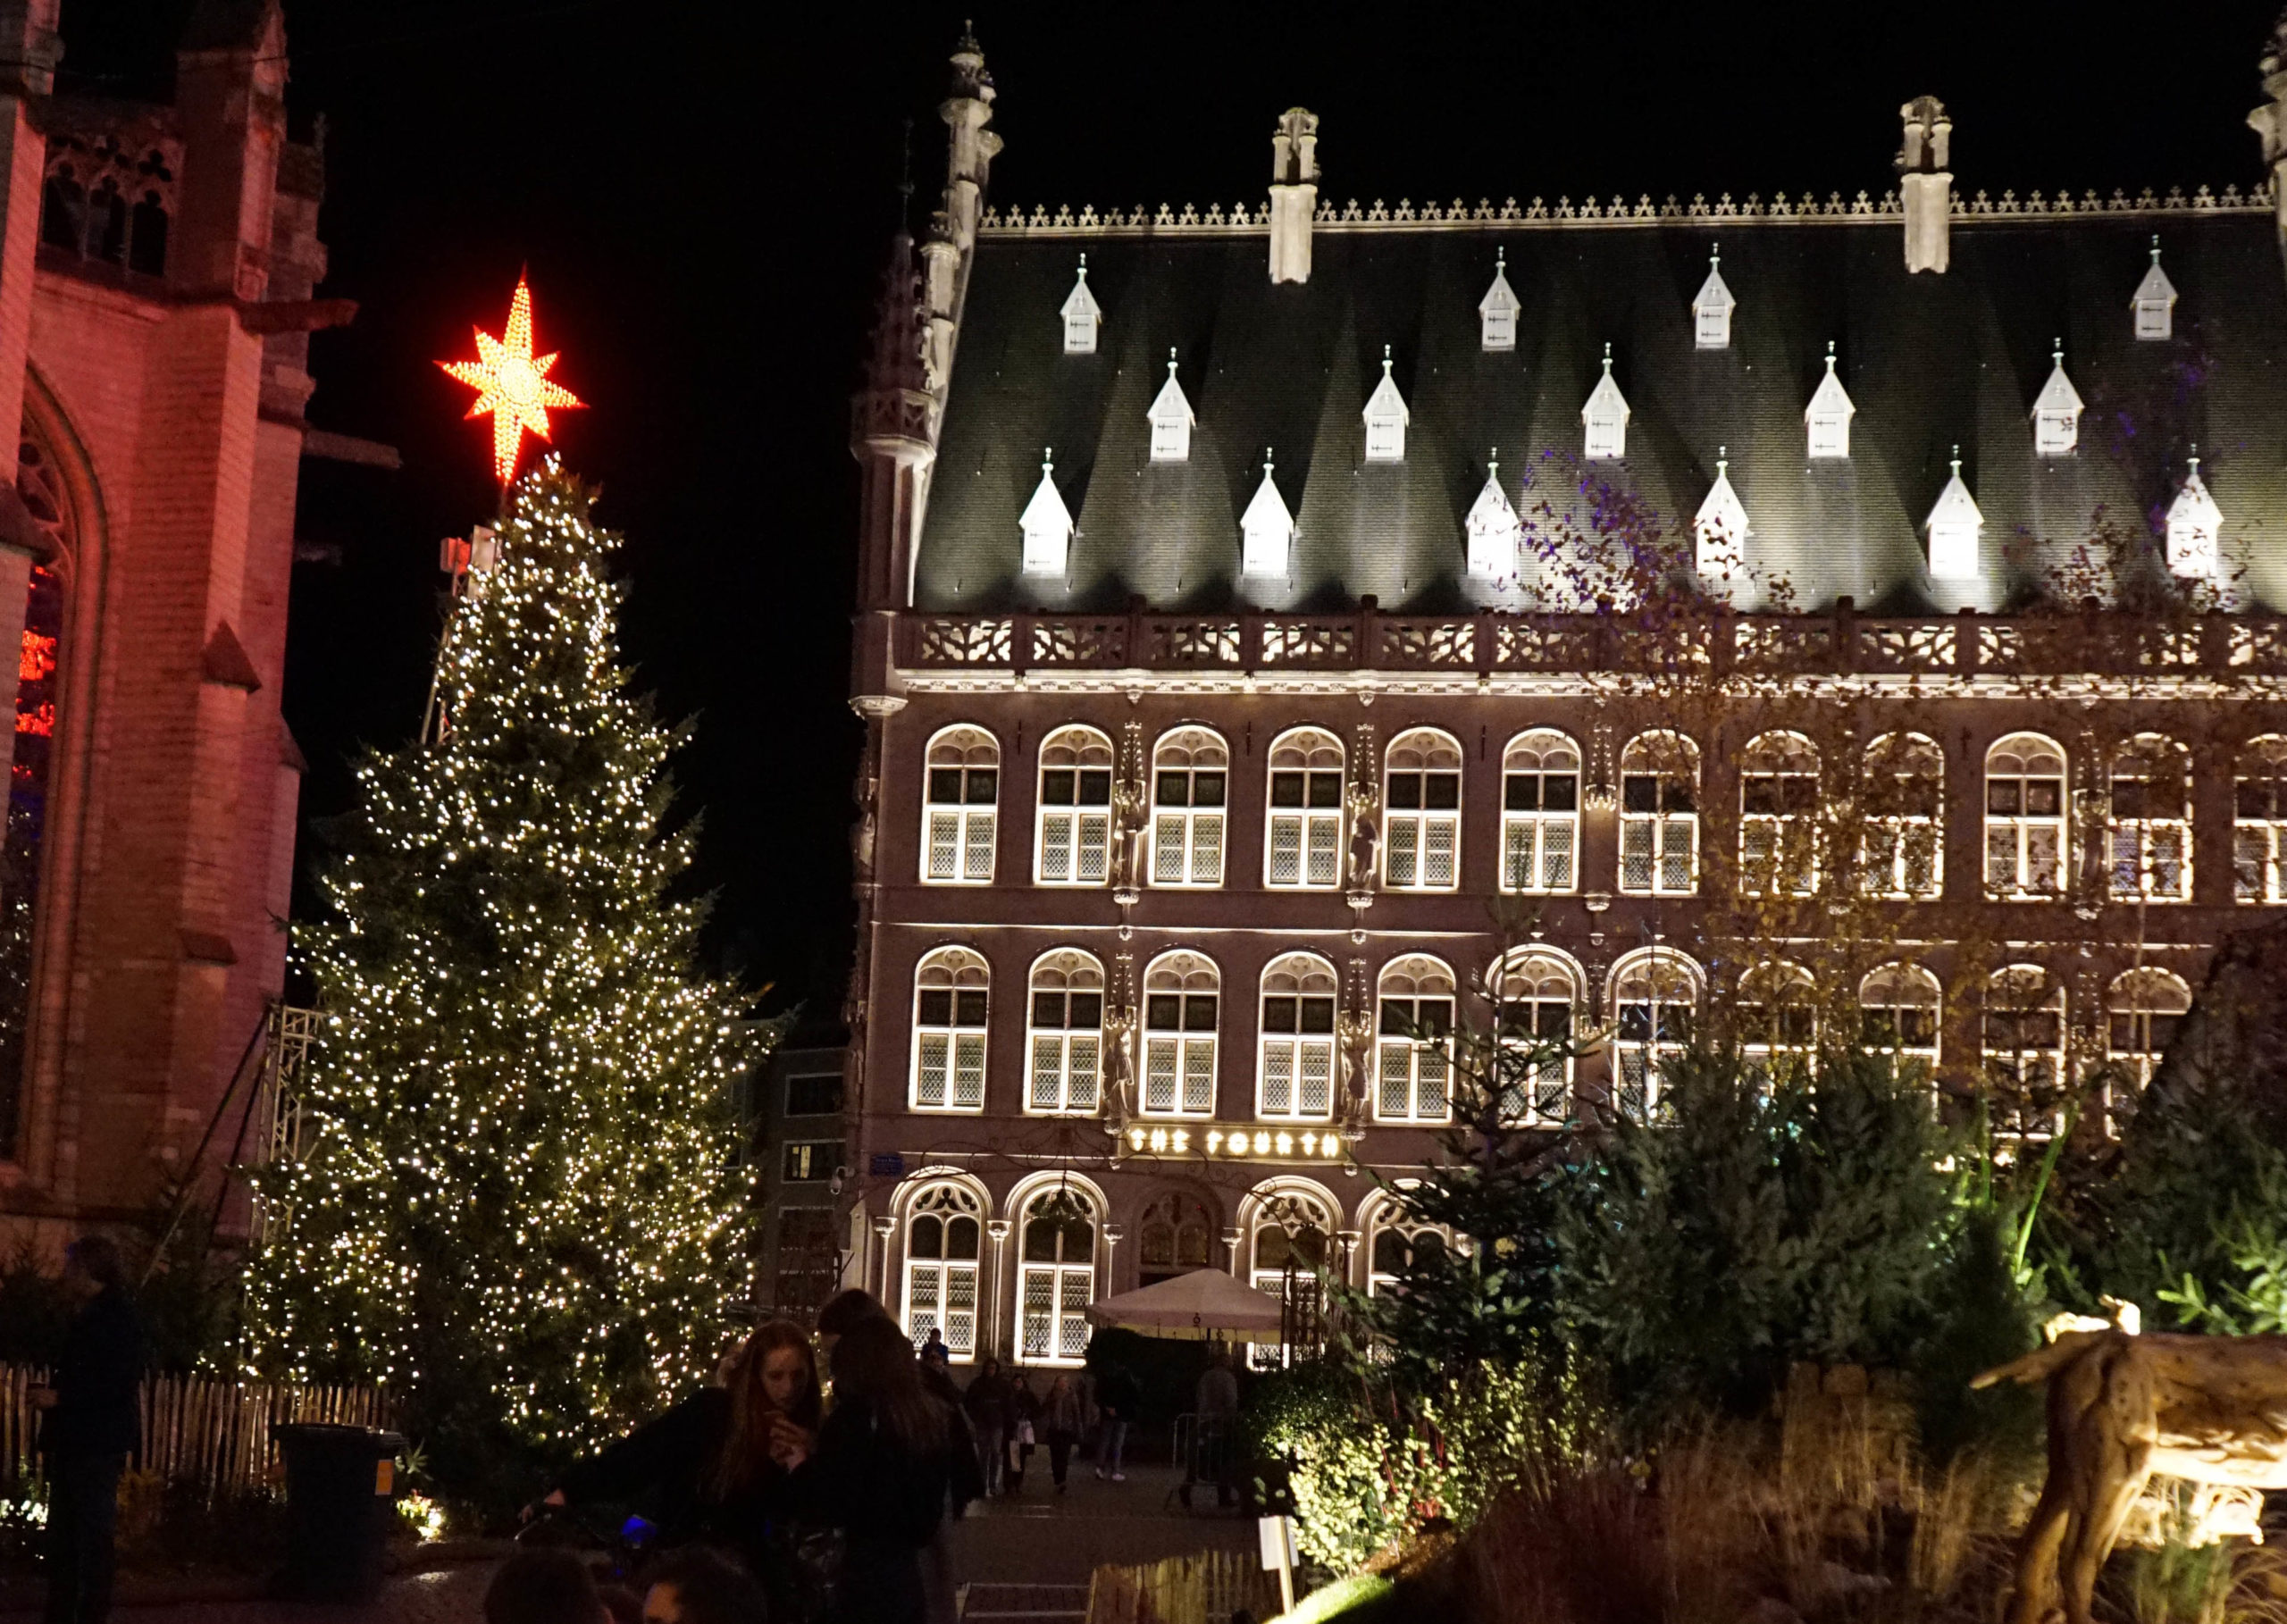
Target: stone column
{"points": [[988, 1301]]}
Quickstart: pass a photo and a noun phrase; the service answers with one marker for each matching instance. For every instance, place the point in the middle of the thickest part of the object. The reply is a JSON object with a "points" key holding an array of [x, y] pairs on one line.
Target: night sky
{"points": [[702, 195]]}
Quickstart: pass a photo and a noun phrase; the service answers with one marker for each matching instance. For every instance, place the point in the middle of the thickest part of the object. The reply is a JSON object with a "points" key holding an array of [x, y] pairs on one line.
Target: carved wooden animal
{"points": [[2212, 1409]]}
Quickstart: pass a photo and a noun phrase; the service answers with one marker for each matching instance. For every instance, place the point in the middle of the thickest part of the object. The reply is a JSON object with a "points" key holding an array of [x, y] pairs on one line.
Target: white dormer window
{"points": [[2195, 528], [1722, 527], [1266, 530], [1827, 419], [1171, 420], [2056, 411], [2155, 303], [1954, 524], [1496, 312], [1386, 418], [1047, 524], [1711, 309], [1081, 317], [1493, 529], [1605, 415]]}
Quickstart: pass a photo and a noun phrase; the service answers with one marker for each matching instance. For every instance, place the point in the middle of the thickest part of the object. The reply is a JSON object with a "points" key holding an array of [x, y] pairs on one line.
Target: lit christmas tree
{"points": [[515, 1201]]}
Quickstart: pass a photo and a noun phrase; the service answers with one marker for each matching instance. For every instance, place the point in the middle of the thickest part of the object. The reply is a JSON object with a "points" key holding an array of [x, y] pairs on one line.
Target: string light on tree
{"points": [[512, 384], [516, 1201]]}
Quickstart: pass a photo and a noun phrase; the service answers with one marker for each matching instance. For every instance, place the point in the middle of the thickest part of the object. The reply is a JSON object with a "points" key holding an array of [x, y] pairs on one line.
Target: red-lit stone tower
{"points": [[156, 266]]}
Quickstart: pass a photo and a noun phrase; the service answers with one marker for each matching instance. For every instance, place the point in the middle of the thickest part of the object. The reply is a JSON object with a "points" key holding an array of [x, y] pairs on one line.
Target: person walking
{"points": [[88, 1428], [1215, 1419], [1023, 1418], [887, 1457], [1117, 1395], [989, 1401], [1062, 1419]]}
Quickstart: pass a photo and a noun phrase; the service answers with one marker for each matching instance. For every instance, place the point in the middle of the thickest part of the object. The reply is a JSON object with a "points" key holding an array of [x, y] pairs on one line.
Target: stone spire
{"points": [[2269, 122], [1294, 194], [1926, 183]]}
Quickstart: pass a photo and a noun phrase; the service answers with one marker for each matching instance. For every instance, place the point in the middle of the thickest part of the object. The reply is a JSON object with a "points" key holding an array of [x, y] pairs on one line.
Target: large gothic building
{"points": [[156, 266], [1287, 631]]}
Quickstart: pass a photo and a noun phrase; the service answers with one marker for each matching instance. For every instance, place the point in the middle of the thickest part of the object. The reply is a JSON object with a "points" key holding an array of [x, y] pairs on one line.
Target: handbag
{"points": [[1025, 1434]]}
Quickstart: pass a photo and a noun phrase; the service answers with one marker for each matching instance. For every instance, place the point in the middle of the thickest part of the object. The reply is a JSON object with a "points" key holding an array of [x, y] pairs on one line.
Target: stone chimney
{"points": [[1294, 194], [2270, 121], [1926, 183]]}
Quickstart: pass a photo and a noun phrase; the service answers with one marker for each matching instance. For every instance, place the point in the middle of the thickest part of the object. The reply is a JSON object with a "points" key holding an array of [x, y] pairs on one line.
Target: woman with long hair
{"points": [[888, 1454], [710, 1469]]}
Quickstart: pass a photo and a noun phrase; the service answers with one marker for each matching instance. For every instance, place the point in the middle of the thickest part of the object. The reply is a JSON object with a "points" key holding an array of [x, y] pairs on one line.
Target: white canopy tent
{"points": [[1204, 1303]]}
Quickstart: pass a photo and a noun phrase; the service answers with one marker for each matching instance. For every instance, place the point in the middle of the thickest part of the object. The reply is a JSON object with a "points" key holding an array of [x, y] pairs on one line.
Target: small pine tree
{"points": [[518, 1202]]}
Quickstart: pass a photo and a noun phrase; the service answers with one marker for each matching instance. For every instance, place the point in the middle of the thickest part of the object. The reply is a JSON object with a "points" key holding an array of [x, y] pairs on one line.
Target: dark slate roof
{"points": [[1930, 360]]}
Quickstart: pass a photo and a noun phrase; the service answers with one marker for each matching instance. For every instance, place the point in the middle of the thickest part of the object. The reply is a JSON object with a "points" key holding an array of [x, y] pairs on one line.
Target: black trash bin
{"points": [[340, 1497]]}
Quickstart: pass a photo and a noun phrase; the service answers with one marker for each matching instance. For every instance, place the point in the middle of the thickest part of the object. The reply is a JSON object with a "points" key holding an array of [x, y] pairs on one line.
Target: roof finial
{"points": [[1493, 464], [1829, 355], [1266, 462], [1386, 360], [1957, 462], [1714, 255], [1607, 357], [1499, 256], [1047, 460], [2056, 353], [2195, 459], [1723, 461], [2155, 247], [1171, 360], [1084, 267]]}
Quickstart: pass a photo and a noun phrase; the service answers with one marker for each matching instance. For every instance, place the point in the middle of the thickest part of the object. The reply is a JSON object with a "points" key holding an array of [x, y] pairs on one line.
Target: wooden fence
{"points": [[1206, 1588], [200, 1431]]}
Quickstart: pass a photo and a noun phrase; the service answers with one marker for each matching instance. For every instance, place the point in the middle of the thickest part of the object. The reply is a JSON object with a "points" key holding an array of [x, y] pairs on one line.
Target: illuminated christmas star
{"points": [[512, 384]]}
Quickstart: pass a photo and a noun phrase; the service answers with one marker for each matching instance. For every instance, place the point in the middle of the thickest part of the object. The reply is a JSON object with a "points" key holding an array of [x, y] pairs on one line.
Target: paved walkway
{"points": [[1025, 1560]]}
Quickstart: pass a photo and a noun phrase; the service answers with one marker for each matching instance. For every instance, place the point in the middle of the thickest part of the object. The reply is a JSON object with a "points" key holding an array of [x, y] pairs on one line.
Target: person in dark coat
{"points": [[89, 1427], [710, 1470], [888, 1456], [990, 1402]]}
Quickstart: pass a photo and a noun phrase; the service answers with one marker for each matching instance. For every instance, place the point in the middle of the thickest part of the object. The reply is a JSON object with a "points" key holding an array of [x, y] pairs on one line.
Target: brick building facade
{"points": [[1278, 625], [157, 264]]}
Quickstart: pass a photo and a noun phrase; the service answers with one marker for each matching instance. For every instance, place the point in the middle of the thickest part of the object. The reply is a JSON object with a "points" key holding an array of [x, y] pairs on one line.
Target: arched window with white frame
{"points": [[1899, 1008], [1056, 1276], [1066, 1022], [1659, 815], [1292, 1237], [2024, 1043], [2150, 822], [1181, 1002], [1655, 997], [1777, 1018], [1536, 993], [1304, 850], [2259, 821], [1191, 772], [1778, 808], [2025, 841], [1175, 1237], [944, 1232], [2144, 1007], [1540, 813], [1902, 830], [1397, 1243], [1413, 1060], [1294, 1057], [1421, 818], [951, 994], [1073, 843], [962, 790]]}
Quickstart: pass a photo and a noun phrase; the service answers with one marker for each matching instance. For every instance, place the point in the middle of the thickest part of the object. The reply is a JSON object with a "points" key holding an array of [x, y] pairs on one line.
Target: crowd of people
{"points": [[768, 1503]]}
